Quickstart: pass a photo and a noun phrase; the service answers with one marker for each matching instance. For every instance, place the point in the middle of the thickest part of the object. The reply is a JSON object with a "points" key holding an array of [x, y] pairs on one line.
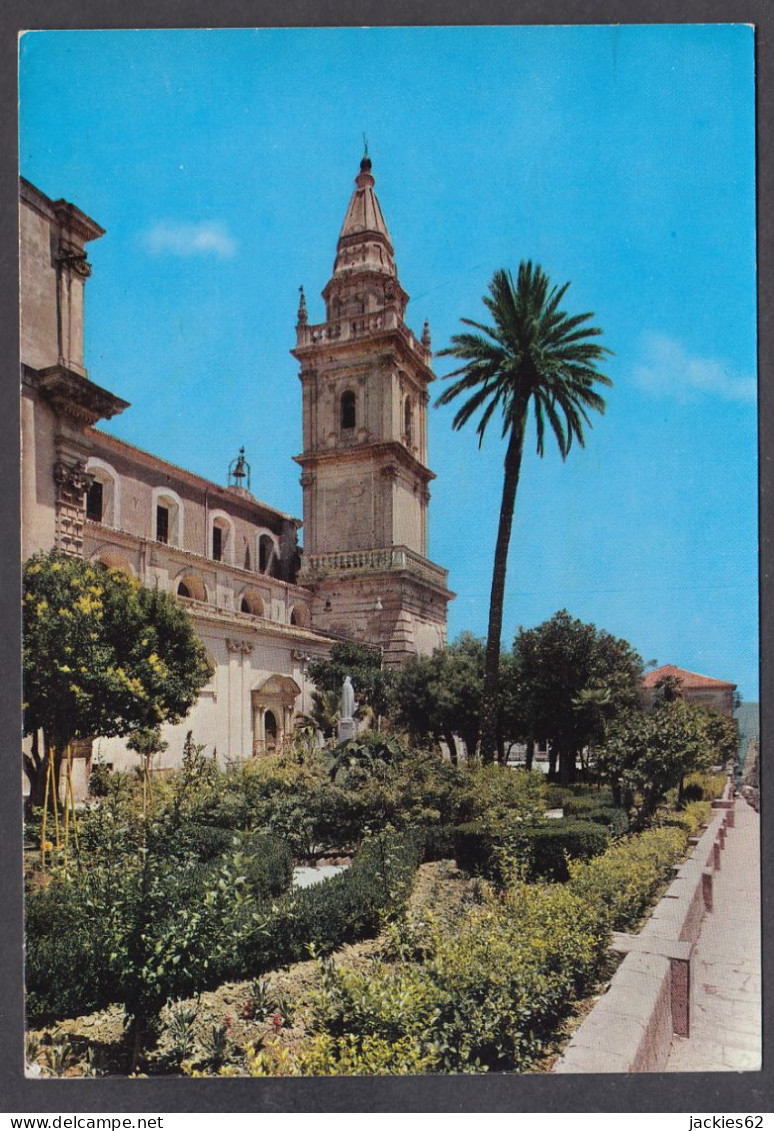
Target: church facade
{"points": [[263, 606]]}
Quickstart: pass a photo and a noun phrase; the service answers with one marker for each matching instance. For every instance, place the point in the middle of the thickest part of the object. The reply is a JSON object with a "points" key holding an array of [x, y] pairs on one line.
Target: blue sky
{"points": [[622, 159]]}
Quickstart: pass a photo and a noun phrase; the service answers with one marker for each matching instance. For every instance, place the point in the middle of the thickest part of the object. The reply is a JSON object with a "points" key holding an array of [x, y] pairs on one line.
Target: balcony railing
{"points": [[375, 560]]}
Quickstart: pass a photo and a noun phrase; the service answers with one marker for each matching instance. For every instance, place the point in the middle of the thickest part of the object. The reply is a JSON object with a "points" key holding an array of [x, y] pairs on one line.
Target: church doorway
{"points": [[274, 704], [270, 728]]}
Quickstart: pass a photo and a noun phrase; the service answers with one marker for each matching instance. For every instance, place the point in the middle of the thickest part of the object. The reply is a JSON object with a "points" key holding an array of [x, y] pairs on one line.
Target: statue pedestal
{"points": [[346, 729]]}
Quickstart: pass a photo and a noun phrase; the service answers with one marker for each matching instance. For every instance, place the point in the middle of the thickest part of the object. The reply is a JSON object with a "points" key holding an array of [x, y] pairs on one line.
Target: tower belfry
{"points": [[364, 377]]}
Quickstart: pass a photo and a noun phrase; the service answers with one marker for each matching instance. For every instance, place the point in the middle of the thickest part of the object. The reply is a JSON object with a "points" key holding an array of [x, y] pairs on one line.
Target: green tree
{"points": [[573, 679], [101, 656], [439, 696], [647, 753], [364, 666], [534, 353]]}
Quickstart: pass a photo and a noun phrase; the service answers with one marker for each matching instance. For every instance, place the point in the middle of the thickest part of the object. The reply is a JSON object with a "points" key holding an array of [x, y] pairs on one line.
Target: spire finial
{"points": [[303, 317], [426, 335], [365, 165]]}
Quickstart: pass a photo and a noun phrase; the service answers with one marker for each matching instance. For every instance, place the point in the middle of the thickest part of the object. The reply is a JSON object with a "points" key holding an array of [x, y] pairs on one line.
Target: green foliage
{"points": [[614, 818], [268, 865], [439, 696], [341, 909], [648, 753], [364, 665], [705, 787], [487, 998], [628, 875], [572, 680], [102, 655], [497, 792], [545, 850], [539, 851], [577, 803]]}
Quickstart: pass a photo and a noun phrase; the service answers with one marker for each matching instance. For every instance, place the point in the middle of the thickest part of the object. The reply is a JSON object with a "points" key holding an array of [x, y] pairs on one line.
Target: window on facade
{"points": [[182, 589], [348, 410], [407, 419], [247, 557], [265, 552], [94, 502], [162, 524], [217, 543]]}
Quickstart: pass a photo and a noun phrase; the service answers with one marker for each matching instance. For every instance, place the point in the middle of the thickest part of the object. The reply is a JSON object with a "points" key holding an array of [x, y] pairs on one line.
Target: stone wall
{"points": [[630, 1028]]}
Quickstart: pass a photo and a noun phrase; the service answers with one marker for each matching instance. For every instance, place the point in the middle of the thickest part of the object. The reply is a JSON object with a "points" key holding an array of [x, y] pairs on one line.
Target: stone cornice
{"points": [[410, 348], [76, 396], [378, 450]]}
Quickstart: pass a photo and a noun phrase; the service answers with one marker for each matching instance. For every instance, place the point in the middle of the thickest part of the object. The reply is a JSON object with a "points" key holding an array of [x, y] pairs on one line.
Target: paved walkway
{"points": [[726, 966]]}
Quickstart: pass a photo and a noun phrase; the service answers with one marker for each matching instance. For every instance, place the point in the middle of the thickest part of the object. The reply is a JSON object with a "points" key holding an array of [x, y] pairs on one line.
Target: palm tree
{"points": [[535, 353]]}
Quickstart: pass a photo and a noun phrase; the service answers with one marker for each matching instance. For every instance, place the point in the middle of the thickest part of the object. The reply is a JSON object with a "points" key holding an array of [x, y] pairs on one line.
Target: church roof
{"points": [[364, 213], [364, 244], [687, 679]]}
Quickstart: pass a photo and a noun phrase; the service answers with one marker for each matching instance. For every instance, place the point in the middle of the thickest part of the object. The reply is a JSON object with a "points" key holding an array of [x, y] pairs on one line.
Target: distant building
{"points": [[703, 690], [262, 607]]}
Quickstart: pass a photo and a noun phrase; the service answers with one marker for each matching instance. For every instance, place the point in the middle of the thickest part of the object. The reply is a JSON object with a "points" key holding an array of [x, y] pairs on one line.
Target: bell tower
{"points": [[364, 378]]}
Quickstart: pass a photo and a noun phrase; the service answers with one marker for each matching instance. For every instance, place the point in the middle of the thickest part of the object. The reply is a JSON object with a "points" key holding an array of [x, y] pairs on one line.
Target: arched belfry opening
{"points": [[348, 410]]}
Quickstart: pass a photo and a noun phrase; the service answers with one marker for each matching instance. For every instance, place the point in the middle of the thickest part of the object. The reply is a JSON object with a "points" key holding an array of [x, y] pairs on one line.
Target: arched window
{"points": [[348, 409], [252, 603], [408, 420], [268, 554], [299, 616], [111, 559], [191, 587], [103, 499], [167, 517], [221, 537]]}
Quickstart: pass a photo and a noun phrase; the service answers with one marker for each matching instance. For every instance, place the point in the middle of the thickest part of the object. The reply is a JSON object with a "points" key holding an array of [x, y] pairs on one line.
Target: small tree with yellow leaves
{"points": [[101, 656]]}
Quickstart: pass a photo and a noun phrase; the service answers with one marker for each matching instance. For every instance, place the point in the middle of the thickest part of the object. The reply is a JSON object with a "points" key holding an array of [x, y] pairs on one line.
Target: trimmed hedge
{"points": [[629, 875], [546, 847], [541, 849], [581, 804], [341, 909], [615, 818]]}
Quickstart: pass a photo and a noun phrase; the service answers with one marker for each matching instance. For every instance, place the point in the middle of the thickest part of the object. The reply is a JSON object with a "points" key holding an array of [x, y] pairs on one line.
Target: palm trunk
{"points": [[489, 699]]}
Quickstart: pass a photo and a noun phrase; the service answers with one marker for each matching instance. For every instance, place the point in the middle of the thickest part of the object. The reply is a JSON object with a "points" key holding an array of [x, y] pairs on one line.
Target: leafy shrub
{"points": [[628, 875], [539, 850], [67, 969], [268, 865], [438, 842], [544, 849], [349, 906], [496, 793], [693, 791], [579, 804], [690, 819], [572, 798], [615, 818], [487, 998], [703, 786]]}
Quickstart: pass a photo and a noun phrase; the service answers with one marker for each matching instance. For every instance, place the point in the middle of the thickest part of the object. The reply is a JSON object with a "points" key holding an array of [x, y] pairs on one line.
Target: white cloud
{"points": [[667, 369], [210, 237]]}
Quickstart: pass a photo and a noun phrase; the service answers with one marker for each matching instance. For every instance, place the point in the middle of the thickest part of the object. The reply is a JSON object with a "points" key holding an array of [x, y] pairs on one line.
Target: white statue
{"points": [[347, 699]]}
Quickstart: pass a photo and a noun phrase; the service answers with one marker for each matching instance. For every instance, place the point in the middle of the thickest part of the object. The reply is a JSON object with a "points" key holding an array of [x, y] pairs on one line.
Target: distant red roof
{"points": [[687, 679]]}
